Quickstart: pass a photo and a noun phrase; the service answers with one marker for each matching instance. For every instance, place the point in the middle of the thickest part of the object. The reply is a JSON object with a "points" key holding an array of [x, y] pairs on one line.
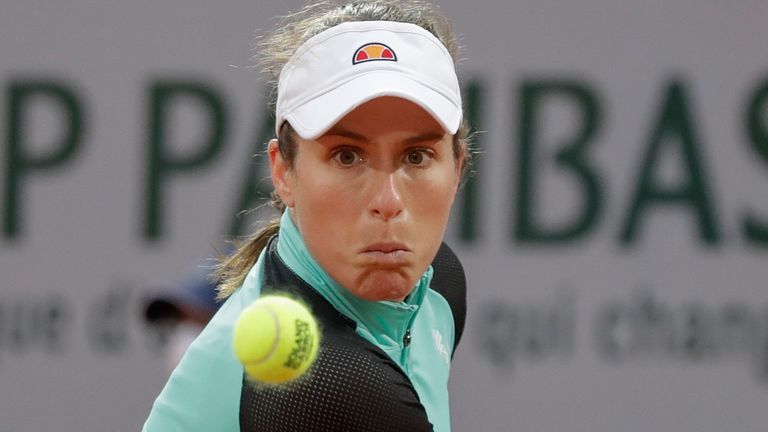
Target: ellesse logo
{"points": [[373, 51]]}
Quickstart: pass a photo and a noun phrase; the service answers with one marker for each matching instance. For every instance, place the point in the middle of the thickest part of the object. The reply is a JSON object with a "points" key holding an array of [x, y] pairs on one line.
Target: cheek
{"points": [[430, 204], [433, 194], [327, 204], [326, 213]]}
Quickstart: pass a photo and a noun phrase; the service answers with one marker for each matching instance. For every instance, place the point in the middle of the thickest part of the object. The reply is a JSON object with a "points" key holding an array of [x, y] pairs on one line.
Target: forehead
{"points": [[387, 114]]}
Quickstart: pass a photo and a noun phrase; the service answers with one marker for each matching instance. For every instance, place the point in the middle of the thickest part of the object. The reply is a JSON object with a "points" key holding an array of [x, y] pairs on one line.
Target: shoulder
{"points": [[203, 390], [450, 282], [449, 277]]}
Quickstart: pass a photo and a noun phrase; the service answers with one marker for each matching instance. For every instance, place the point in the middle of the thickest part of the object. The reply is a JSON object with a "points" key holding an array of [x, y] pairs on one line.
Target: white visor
{"points": [[345, 66]]}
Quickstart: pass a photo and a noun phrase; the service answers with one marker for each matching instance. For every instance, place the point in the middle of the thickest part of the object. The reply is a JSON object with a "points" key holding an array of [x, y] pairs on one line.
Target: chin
{"points": [[381, 285]]}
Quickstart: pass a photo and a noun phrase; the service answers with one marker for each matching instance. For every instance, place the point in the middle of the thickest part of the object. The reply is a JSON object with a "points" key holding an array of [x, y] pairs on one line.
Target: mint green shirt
{"points": [[203, 392]]}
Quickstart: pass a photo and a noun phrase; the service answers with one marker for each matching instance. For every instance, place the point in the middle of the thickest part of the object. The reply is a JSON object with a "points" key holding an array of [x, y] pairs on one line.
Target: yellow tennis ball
{"points": [[276, 339]]}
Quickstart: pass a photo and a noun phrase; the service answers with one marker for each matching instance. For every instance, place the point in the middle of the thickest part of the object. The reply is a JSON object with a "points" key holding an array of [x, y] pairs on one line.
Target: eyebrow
{"points": [[427, 136]]}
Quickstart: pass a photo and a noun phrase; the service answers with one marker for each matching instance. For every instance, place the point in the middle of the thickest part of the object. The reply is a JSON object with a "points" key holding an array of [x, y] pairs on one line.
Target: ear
{"points": [[281, 178]]}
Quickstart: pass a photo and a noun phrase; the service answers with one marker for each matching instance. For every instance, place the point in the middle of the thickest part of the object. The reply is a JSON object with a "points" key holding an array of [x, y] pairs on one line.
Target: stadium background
{"points": [[615, 237]]}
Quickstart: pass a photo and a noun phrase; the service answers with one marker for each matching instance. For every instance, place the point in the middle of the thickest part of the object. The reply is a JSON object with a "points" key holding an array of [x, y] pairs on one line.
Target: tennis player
{"points": [[369, 152]]}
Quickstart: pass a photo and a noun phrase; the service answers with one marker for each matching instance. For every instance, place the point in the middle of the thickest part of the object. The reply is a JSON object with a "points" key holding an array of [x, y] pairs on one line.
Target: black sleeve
{"points": [[450, 282], [346, 390]]}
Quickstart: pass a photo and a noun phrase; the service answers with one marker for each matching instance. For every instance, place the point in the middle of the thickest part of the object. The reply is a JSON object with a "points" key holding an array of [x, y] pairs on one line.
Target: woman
{"points": [[369, 154]]}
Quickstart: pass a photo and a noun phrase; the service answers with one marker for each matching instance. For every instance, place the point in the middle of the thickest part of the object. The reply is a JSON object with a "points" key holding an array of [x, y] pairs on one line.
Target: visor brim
{"points": [[314, 117]]}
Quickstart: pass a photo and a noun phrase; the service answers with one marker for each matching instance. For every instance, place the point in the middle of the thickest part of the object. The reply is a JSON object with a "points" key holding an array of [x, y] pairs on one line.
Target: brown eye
{"points": [[346, 157], [417, 157]]}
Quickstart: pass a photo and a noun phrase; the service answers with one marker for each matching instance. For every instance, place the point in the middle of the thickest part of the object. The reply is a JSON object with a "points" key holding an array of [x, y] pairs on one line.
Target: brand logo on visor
{"points": [[373, 52]]}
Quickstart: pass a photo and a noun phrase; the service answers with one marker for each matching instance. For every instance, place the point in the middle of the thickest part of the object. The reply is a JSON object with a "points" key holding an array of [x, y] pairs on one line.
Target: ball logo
{"points": [[302, 346], [373, 52]]}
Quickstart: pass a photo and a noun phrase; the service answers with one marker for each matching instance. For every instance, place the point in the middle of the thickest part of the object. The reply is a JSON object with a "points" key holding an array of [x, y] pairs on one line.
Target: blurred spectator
{"points": [[181, 312]]}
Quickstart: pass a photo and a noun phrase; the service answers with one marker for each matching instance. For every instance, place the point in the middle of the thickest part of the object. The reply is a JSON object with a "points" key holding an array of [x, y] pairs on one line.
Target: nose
{"points": [[387, 202]]}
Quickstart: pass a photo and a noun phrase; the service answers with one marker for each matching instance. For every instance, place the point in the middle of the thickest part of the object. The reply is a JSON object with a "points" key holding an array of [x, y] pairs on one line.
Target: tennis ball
{"points": [[276, 339]]}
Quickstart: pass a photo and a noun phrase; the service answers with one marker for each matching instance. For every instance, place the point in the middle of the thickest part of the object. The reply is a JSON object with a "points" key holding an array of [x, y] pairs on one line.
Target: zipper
{"points": [[405, 354]]}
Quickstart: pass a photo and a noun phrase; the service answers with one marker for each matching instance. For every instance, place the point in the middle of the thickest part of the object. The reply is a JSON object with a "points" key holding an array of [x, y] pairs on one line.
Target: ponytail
{"points": [[232, 269]]}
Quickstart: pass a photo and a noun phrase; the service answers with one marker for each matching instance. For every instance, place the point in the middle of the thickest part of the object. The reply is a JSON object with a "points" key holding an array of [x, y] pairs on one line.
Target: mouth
{"points": [[387, 252]]}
